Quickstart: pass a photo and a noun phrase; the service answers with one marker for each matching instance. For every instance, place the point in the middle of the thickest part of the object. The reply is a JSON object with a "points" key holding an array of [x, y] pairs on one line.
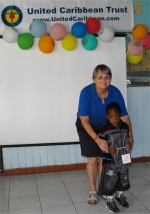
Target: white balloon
{"points": [[10, 35], [106, 34]]}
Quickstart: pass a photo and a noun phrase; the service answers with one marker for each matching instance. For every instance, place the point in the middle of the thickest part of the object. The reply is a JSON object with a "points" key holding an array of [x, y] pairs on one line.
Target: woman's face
{"points": [[102, 81]]}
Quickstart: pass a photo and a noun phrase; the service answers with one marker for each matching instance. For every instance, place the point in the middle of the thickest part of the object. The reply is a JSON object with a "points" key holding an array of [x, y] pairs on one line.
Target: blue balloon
{"points": [[89, 42], [37, 28], [79, 29]]}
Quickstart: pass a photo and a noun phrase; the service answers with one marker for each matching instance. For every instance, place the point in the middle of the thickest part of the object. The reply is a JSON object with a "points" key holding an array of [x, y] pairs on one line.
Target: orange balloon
{"points": [[46, 44], [139, 31]]}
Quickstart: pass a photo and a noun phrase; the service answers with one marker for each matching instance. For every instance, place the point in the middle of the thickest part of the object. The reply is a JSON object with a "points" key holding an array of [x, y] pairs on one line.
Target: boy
{"points": [[114, 178]]}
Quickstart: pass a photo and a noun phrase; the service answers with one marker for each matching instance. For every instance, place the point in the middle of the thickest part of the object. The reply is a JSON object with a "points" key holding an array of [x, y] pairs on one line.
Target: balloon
{"points": [[106, 34], [89, 42], [135, 47], [25, 41], [37, 28], [93, 25], [134, 59], [46, 44], [69, 42], [79, 29], [58, 31], [139, 31], [10, 35], [128, 39], [146, 41]]}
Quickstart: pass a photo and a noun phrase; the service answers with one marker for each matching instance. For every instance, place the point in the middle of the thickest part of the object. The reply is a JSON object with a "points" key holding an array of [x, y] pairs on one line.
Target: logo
{"points": [[11, 16]]}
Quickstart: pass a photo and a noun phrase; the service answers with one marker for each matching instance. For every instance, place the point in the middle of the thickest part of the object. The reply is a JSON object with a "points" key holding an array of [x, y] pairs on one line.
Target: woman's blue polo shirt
{"points": [[90, 104]]}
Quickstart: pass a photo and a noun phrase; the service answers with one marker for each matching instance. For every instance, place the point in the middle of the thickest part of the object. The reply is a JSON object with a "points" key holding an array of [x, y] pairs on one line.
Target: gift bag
{"points": [[119, 141]]}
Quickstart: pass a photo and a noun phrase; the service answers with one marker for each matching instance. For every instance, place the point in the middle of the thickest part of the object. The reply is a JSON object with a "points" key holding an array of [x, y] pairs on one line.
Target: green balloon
{"points": [[25, 41]]}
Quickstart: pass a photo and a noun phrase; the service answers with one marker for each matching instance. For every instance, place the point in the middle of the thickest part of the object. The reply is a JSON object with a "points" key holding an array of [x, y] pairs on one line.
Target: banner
{"points": [[116, 14]]}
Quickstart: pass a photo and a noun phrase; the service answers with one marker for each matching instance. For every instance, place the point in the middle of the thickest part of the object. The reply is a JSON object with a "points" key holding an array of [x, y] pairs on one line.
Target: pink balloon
{"points": [[146, 41], [58, 31], [135, 47]]}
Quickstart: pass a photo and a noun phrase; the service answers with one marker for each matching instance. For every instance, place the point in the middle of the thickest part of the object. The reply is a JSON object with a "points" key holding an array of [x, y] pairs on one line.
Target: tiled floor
{"points": [[66, 192]]}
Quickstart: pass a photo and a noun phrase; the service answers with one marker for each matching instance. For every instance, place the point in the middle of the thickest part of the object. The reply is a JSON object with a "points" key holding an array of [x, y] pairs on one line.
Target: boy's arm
{"points": [[127, 120]]}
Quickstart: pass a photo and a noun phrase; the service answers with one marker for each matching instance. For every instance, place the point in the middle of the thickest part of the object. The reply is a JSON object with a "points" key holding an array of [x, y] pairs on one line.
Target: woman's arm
{"points": [[87, 126]]}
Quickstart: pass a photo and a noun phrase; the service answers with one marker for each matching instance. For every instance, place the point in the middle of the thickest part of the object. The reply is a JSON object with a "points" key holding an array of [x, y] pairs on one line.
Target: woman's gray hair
{"points": [[103, 68]]}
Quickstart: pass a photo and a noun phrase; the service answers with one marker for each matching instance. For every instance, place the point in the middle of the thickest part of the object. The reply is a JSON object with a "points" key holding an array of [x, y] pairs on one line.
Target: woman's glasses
{"points": [[107, 77]]}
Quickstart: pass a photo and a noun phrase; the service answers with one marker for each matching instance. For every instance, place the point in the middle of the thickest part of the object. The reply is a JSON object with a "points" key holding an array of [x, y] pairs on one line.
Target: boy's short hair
{"points": [[113, 105]]}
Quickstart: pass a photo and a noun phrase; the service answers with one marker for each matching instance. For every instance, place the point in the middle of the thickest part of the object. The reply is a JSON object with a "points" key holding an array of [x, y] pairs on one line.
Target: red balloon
{"points": [[93, 25], [146, 41]]}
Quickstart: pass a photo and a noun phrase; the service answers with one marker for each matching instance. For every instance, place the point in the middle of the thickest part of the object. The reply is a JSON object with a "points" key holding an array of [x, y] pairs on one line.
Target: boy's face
{"points": [[114, 117]]}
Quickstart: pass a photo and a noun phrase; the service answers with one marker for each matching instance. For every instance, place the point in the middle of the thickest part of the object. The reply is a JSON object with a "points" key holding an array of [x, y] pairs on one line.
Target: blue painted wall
{"points": [[142, 12]]}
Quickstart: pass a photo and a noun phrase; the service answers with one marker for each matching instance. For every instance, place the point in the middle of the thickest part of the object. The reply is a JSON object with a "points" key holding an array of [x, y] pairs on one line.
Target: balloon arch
{"points": [[85, 31]]}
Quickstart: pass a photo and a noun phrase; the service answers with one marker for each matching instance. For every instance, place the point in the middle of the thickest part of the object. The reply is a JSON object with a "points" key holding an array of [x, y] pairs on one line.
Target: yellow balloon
{"points": [[69, 42], [134, 59]]}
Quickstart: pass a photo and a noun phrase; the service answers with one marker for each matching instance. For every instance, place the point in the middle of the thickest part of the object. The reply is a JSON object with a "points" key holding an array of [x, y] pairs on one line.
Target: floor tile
{"points": [[26, 211], [143, 190], [3, 204], [50, 189], [133, 172], [65, 209], [22, 177], [137, 212], [22, 183], [55, 199], [78, 196], [78, 186], [135, 181], [48, 178], [73, 176], [4, 193], [137, 165], [4, 182], [145, 200], [140, 168], [23, 192], [147, 164], [85, 208], [147, 177], [21, 203], [66, 193]]}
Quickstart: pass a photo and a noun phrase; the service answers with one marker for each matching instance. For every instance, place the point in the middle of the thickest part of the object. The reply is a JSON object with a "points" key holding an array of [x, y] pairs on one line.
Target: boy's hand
{"points": [[131, 141], [112, 150], [129, 147]]}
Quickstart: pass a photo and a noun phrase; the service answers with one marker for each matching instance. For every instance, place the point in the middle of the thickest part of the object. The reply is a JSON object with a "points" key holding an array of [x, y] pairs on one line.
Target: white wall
{"points": [[39, 92]]}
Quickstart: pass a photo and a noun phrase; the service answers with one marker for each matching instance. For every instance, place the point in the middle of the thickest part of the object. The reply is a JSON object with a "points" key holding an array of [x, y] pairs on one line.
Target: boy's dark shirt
{"points": [[108, 128]]}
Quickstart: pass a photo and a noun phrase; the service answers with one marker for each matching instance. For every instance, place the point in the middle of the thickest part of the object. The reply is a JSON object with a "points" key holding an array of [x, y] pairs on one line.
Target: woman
{"points": [[91, 114]]}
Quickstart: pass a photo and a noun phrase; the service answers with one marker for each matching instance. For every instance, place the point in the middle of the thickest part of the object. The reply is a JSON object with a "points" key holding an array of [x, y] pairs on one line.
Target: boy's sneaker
{"points": [[122, 201], [112, 207]]}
